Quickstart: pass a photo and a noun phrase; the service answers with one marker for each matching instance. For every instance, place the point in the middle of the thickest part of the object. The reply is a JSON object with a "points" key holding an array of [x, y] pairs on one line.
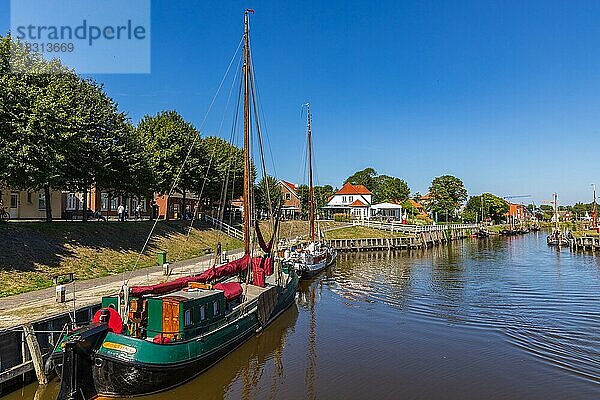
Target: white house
{"points": [[354, 200], [386, 210]]}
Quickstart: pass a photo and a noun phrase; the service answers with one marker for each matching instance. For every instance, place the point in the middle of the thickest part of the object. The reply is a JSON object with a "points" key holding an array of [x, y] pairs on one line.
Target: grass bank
{"points": [[32, 253]]}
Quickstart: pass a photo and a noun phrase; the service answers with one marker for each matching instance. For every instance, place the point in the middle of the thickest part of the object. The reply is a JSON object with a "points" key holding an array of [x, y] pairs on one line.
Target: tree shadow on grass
{"points": [[24, 246]]}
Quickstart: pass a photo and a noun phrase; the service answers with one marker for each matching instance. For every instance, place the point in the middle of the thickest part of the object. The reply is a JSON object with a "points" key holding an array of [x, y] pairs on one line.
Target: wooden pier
{"points": [[589, 243], [371, 244], [416, 236]]}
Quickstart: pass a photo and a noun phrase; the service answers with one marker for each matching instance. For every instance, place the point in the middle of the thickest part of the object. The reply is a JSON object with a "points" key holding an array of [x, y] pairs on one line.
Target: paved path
{"points": [[27, 307]]}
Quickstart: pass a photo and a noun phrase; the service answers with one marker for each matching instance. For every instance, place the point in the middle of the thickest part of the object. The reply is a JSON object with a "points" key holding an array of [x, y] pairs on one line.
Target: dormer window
{"points": [[350, 199]]}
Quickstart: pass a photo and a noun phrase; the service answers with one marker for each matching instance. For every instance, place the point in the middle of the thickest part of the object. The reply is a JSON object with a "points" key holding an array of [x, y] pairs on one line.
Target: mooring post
{"points": [[36, 354]]}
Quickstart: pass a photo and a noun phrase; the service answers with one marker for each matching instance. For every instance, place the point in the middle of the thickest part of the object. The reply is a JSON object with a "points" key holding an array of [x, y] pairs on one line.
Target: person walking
{"points": [[138, 211], [120, 212]]}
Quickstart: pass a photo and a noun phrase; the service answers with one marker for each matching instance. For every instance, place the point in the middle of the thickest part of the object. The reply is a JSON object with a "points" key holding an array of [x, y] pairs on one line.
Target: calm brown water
{"points": [[482, 319]]}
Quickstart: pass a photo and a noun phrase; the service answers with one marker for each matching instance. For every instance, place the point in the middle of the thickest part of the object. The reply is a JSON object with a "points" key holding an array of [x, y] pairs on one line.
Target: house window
{"points": [[41, 201], [104, 201], [350, 199], [29, 197], [188, 317], [203, 312], [14, 199], [143, 203], [343, 199], [114, 203], [216, 308], [288, 196], [71, 201]]}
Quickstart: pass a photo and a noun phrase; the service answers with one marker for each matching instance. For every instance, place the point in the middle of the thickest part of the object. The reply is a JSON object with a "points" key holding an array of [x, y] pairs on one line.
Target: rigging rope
{"points": [[184, 162]]}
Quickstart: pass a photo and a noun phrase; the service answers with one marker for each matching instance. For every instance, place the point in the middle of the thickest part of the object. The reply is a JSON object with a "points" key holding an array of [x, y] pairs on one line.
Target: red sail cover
{"points": [[231, 289], [229, 269]]}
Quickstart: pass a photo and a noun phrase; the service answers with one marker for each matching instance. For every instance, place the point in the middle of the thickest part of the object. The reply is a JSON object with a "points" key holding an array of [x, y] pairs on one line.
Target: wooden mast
{"points": [[311, 190], [247, 177]]}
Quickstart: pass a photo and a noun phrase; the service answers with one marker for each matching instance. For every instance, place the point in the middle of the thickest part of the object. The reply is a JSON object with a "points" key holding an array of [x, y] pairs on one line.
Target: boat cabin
{"points": [[175, 316]]}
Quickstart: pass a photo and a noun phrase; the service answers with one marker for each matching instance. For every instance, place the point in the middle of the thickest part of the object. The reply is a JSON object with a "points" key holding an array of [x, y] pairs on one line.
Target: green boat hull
{"points": [[126, 366]]}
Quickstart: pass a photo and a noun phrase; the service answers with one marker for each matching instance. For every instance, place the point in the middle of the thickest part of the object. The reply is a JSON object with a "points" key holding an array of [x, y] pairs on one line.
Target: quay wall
{"points": [[16, 364]]}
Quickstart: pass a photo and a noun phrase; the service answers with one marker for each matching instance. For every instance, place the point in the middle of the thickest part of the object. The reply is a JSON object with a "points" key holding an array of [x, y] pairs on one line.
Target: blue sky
{"points": [[503, 94]]}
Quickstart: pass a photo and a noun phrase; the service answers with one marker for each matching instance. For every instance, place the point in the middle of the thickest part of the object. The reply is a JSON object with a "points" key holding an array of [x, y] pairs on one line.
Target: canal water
{"points": [[497, 318]]}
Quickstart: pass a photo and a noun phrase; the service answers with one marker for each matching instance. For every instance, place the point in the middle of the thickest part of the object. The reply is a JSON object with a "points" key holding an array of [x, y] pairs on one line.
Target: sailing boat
{"points": [[556, 238], [313, 257], [149, 339]]}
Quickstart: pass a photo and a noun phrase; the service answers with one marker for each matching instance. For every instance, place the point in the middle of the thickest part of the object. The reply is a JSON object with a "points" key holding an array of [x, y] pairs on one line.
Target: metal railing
{"points": [[395, 226], [228, 229]]}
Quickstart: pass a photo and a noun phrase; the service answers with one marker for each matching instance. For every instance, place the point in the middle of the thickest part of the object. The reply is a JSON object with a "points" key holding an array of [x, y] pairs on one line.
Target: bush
{"points": [[342, 217]]}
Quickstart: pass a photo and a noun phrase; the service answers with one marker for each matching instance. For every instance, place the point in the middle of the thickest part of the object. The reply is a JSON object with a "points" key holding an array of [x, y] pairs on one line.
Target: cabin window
{"points": [[216, 308], [203, 312], [188, 317]]}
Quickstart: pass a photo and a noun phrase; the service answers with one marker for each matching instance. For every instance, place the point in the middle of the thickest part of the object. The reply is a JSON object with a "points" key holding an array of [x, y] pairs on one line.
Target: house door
{"points": [[14, 205], [170, 323]]}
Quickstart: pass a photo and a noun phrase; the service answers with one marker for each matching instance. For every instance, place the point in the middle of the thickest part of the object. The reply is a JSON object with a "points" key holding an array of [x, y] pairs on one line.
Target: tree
{"points": [[267, 188], [494, 208], [226, 172], [322, 194], [366, 177], [390, 189], [447, 194], [174, 152], [35, 106], [61, 131]]}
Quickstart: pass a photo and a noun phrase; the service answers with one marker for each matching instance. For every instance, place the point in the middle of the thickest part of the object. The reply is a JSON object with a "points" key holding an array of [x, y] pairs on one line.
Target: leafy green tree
{"points": [[226, 172], [303, 193], [267, 188], [447, 194], [408, 206], [33, 139], [581, 208], [322, 194], [390, 189], [175, 153], [366, 177], [494, 208]]}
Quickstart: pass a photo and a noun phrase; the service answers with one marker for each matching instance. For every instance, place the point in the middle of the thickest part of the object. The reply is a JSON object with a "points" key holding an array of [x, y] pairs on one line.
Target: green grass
{"points": [[360, 232], [585, 233], [32, 253]]}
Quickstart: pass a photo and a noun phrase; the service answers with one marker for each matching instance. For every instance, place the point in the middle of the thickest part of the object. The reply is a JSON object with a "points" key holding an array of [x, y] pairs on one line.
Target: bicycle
{"points": [[4, 215]]}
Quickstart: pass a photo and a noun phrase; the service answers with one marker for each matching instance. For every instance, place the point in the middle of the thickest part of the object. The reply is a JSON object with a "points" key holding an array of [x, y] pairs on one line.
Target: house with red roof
{"points": [[353, 200], [291, 201]]}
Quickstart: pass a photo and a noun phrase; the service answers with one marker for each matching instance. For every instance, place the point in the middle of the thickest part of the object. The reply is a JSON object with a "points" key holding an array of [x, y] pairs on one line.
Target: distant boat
{"points": [[313, 257], [556, 238], [482, 233]]}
